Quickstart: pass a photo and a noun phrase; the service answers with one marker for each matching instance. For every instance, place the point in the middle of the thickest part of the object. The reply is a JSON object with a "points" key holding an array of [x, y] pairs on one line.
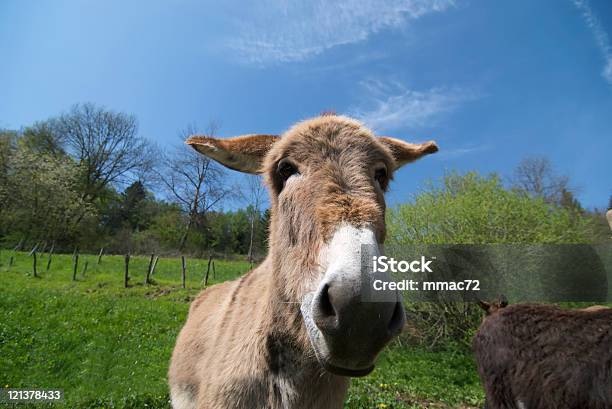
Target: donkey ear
{"points": [[243, 153], [484, 305], [404, 152]]}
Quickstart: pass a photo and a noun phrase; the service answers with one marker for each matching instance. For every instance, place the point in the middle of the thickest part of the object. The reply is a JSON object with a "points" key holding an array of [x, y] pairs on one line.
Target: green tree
{"points": [[42, 139], [134, 203], [128, 209], [40, 198], [8, 142], [472, 209], [167, 226], [569, 201]]}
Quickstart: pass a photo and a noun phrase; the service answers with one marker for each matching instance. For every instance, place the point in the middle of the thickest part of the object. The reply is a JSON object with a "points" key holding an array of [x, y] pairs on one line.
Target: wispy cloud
{"points": [[600, 35], [284, 30], [452, 153], [393, 106]]}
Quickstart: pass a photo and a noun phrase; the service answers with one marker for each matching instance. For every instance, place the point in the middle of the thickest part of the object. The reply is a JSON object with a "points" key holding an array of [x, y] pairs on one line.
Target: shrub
{"points": [[472, 209]]}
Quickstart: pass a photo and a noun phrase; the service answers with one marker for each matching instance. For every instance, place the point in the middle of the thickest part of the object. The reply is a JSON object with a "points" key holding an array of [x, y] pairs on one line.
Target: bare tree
{"points": [[536, 176], [105, 144], [255, 193], [194, 181]]}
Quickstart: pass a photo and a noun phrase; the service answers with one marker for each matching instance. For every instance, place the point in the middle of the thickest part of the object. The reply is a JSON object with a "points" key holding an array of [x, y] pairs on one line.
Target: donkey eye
{"points": [[286, 169], [381, 177]]}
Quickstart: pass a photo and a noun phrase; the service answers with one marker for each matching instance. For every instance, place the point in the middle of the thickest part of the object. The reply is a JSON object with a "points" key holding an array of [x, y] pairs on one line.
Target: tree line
{"points": [[88, 179]]}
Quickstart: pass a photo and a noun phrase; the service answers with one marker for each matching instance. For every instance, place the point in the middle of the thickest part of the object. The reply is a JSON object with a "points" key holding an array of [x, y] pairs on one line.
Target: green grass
{"points": [[109, 347], [410, 377]]}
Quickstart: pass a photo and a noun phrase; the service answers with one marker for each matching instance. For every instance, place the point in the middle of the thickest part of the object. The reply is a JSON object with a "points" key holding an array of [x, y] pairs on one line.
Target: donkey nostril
{"points": [[325, 305], [397, 319], [324, 313]]}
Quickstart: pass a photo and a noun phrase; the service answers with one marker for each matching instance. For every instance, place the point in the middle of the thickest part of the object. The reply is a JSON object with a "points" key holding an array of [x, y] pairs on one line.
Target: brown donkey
{"points": [[539, 356], [289, 333]]}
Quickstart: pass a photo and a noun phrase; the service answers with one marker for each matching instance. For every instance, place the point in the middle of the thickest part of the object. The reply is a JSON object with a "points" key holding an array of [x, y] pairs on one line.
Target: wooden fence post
{"points": [[50, 256], [34, 249], [183, 273], [75, 258], [11, 261], [148, 273], [214, 270], [100, 255], [126, 276], [34, 264], [207, 270], [85, 268], [19, 245], [154, 265]]}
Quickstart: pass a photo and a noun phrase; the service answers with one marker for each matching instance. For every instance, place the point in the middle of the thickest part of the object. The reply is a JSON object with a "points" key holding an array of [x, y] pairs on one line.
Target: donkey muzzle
{"points": [[346, 327]]}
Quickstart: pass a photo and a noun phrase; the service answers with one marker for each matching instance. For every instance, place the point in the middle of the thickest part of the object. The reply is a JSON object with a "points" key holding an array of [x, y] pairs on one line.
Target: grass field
{"points": [[109, 347]]}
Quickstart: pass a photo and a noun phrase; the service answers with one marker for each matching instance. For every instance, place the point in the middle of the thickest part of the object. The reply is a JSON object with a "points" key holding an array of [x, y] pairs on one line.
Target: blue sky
{"points": [[492, 82]]}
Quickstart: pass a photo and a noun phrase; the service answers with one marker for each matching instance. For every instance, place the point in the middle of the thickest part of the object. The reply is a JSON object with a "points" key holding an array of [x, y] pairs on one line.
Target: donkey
{"points": [[290, 333], [541, 356]]}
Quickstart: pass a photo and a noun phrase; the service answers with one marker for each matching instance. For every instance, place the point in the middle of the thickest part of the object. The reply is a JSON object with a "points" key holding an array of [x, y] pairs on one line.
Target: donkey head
{"points": [[327, 177], [494, 306]]}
